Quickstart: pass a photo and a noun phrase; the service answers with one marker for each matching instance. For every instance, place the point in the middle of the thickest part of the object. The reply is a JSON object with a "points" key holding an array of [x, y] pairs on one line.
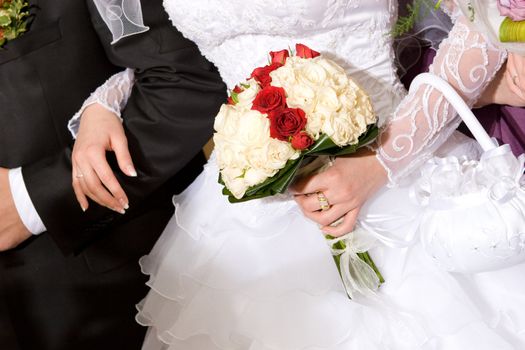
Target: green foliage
{"points": [[415, 12], [14, 16]]}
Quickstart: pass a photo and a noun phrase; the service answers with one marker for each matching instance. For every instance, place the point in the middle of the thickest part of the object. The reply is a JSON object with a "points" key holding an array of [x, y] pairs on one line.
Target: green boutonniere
{"points": [[14, 16]]}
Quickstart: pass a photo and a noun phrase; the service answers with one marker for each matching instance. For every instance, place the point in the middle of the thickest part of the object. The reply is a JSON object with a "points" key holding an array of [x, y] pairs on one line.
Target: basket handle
{"points": [[457, 102]]}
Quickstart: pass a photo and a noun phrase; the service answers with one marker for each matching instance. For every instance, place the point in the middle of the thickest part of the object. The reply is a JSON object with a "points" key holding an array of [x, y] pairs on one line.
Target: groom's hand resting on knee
{"points": [[12, 229]]}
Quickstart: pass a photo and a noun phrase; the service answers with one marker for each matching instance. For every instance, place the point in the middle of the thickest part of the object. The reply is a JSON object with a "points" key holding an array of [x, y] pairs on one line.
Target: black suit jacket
{"points": [[82, 295], [47, 73]]}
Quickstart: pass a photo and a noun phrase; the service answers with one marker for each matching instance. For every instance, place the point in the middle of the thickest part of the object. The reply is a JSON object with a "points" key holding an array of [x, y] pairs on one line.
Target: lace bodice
{"points": [[237, 35]]}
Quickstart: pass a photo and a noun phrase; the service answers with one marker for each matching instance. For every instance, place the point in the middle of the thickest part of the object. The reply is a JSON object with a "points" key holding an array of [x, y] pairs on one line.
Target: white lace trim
{"points": [[112, 95]]}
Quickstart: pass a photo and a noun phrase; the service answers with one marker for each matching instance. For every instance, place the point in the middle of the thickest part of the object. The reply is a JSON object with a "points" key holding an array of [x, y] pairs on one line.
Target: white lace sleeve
{"points": [[424, 120], [112, 95]]}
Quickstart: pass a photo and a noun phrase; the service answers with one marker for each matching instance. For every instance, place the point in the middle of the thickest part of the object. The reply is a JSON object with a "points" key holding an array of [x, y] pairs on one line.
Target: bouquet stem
{"points": [[339, 248], [368, 259]]}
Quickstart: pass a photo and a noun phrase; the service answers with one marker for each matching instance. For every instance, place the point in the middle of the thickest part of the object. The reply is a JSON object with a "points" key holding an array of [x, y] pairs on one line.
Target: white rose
{"points": [[314, 123], [257, 157], [327, 100], [284, 76], [278, 153], [301, 96], [255, 176], [360, 122], [336, 75], [230, 154], [246, 97], [348, 98], [356, 117], [366, 108], [341, 130], [253, 129], [234, 181], [312, 73], [227, 120], [358, 101]]}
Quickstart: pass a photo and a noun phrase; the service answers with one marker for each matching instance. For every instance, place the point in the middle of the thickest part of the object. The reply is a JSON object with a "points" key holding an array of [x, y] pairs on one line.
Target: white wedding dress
{"points": [[260, 276]]}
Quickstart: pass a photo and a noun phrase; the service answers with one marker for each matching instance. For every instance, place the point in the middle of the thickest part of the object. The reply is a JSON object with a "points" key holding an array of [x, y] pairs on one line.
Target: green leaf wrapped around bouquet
{"points": [[279, 183]]}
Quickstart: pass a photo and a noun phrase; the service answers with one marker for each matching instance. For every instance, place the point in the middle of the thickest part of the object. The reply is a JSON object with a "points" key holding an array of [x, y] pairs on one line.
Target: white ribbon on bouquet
{"points": [[123, 17], [356, 274]]}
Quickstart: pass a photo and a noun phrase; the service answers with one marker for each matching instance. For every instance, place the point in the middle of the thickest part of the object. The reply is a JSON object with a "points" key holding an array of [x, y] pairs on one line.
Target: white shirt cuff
{"points": [[24, 205]]}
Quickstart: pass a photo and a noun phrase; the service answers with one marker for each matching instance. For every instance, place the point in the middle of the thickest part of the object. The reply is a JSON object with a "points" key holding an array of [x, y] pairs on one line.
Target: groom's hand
{"points": [[12, 229]]}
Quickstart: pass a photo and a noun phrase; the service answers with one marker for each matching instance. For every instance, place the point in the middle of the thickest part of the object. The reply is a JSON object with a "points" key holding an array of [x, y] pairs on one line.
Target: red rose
{"points": [[269, 98], [232, 99], [286, 122], [304, 51], [262, 74], [279, 57], [301, 141]]}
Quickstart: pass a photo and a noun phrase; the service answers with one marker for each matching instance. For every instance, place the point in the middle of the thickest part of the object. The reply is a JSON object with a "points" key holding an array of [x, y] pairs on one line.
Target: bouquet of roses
{"points": [[295, 107], [289, 112]]}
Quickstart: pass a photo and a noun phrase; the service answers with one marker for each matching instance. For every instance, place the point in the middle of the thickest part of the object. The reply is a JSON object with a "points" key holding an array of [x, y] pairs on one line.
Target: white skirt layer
{"points": [[259, 276]]}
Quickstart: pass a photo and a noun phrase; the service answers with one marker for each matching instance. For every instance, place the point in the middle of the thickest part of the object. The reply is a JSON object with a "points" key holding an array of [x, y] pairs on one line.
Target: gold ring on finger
{"points": [[323, 201]]}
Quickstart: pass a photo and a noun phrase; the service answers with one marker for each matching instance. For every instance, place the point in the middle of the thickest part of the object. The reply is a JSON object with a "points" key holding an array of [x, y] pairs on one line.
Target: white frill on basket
{"points": [[473, 217]]}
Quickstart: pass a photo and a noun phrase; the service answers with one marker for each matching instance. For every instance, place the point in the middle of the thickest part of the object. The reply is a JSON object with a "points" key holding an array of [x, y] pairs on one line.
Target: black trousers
{"points": [[52, 302]]}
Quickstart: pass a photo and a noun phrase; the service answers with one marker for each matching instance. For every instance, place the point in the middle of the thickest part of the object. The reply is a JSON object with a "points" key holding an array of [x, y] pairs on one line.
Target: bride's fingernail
{"points": [[124, 204], [131, 171], [118, 210], [83, 209]]}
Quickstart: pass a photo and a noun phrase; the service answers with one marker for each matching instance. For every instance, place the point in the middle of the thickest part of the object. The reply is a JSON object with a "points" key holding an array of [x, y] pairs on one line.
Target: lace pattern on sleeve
{"points": [[112, 95], [424, 120], [451, 8]]}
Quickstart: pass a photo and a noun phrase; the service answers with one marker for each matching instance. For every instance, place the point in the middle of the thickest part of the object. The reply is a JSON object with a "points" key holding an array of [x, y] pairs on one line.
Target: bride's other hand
{"points": [[346, 185], [508, 87], [515, 77], [100, 131]]}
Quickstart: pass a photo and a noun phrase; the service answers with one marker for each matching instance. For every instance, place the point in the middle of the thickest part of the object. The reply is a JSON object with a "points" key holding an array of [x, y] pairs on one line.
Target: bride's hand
{"points": [[508, 87], [100, 131], [346, 185], [515, 77]]}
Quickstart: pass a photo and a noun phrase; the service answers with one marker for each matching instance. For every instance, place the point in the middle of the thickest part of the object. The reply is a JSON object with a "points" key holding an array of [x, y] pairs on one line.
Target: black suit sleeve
{"points": [[167, 120]]}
